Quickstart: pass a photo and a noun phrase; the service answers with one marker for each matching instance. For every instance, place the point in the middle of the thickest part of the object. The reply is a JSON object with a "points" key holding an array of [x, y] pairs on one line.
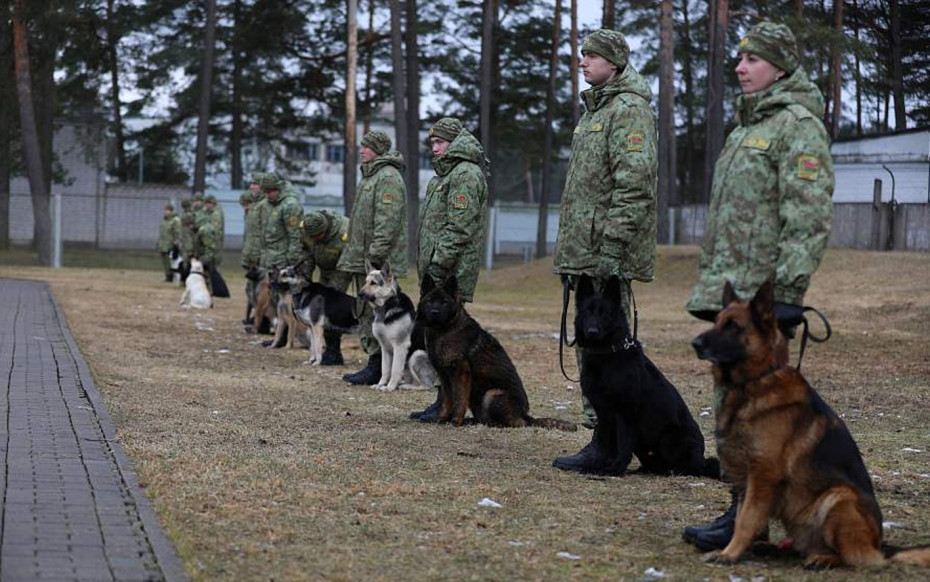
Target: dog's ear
{"points": [[585, 287], [386, 271], [763, 303], [729, 294], [368, 267], [451, 286], [427, 286]]}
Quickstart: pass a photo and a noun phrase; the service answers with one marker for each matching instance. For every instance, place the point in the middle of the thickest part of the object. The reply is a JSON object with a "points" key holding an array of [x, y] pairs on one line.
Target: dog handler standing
{"points": [[377, 235], [607, 225], [169, 236], [453, 216], [770, 207], [251, 243], [281, 244], [324, 237]]}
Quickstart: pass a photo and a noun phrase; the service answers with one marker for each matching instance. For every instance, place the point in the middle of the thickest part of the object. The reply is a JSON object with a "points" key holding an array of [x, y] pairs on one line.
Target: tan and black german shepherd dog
{"points": [[263, 313], [786, 451], [288, 283], [475, 371]]}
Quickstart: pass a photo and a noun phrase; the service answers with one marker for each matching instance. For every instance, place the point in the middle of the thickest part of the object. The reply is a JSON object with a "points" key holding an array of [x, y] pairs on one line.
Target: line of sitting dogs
{"points": [[785, 451]]}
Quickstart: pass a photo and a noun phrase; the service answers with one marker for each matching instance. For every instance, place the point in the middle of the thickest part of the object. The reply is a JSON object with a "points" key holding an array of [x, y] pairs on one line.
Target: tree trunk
{"points": [[608, 18], [688, 169], [543, 222], [397, 64], [837, 69], [486, 82], [42, 235], [823, 81], [369, 66], [799, 9], [349, 169], [7, 104], [897, 68], [667, 153], [858, 70], [113, 37], [715, 94], [206, 86], [235, 138], [576, 99], [413, 130]]}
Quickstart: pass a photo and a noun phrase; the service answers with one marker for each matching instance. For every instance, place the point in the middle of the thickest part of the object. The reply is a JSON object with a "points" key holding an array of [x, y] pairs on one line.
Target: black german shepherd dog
{"points": [[475, 371], [639, 412]]}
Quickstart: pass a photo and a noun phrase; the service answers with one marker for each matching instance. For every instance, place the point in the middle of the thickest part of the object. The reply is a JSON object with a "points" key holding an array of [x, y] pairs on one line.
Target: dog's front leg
{"points": [[386, 359], [185, 298], [752, 514], [461, 394], [397, 366]]}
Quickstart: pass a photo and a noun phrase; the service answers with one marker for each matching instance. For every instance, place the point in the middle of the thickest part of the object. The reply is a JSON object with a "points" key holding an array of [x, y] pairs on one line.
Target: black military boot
{"points": [[332, 354], [718, 533], [431, 413], [597, 457], [370, 374], [249, 320], [169, 277]]}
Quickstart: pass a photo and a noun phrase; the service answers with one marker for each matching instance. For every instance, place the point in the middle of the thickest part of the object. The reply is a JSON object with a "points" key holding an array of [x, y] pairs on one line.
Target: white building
{"points": [[861, 161]]}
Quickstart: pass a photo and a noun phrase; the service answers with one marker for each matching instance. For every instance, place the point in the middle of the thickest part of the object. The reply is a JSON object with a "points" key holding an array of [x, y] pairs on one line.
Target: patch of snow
{"points": [[568, 556], [890, 524], [654, 573], [910, 450], [488, 502]]}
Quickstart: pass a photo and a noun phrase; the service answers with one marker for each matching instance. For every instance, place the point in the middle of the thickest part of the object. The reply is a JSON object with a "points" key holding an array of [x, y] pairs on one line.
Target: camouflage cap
{"points": [[314, 224], [256, 178], [447, 128], [186, 204], [378, 141], [245, 199], [610, 44], [271, 181], [210, 198], [774, 43], [198, 196], [169, 206]]}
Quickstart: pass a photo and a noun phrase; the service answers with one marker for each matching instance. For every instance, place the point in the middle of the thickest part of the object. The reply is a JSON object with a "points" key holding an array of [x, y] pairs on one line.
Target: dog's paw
{"points": [[388, 388], [718, 557]]}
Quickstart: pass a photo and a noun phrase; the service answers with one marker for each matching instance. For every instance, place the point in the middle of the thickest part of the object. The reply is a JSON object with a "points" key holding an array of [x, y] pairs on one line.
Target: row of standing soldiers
{"points": [[196, 233]]}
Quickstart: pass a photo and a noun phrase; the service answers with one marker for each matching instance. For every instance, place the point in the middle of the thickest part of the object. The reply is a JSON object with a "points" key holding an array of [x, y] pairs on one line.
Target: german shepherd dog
{"points": [[786, 451], [395, 328], [287, 282], [639, 412], [319, 308], [475, 371], [262, 312]]}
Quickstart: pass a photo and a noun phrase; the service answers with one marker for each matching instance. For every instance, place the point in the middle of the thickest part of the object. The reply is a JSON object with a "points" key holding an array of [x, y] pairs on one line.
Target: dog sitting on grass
{"points": [[474, 369], [639, 412], [785, 450], [196, 294]]}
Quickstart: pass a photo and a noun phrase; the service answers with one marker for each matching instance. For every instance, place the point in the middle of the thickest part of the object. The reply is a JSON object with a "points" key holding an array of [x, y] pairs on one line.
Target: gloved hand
{"points": [[253, 274], [789, 317]]}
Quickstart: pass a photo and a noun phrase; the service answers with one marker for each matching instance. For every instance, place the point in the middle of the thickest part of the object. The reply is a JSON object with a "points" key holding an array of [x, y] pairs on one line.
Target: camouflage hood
{"points": [[464, 148], [629, 81], [796, 89], [390, 158]]}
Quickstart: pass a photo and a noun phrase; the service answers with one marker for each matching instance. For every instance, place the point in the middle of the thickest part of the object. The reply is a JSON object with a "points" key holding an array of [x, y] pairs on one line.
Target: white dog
{"points": [[196, 293]]}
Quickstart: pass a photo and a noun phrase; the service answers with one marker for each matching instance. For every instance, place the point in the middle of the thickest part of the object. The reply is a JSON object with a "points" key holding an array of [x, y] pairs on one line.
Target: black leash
{"points": [[807, 335], [563, 330]]}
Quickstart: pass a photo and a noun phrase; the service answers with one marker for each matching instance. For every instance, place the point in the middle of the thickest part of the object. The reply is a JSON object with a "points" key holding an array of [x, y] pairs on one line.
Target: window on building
{"points": [[302, 152], [335, 153]]}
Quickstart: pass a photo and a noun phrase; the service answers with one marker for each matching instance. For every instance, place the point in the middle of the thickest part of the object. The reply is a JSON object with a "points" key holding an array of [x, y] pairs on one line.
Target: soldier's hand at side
{"points": [[789, 316]]}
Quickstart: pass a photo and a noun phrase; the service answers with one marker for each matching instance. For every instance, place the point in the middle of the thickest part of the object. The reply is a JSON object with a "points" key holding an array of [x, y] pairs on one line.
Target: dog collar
{"points": [[627, 344]]}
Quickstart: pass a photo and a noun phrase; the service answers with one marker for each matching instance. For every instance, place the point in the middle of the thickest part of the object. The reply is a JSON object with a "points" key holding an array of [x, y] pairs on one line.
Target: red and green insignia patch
{"points": [[292, 221], [387, 198], [635, 141], [808, 167], [460, 202]]}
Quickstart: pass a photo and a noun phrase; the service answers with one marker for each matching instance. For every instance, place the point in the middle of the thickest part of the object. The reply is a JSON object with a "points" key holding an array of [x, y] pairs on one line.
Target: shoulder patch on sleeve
{"points": [[808, 167], [387, 198], [293, 220], [756, 143], [460, 202], [596, 127], [345, 237], [635, 141]]}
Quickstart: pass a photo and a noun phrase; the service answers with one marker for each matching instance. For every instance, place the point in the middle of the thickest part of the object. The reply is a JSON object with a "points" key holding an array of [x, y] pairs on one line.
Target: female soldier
{"points": [[770, 208]]}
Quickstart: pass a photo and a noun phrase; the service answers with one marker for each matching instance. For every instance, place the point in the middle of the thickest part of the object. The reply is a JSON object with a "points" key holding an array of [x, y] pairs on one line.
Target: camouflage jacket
{"points": [[453, 216], [326, 252], [607, 223], [253, 235], [217, 219], [169, 233], [378, 230], [281, 235], [208, 244], [188, 237], [770, 208]]}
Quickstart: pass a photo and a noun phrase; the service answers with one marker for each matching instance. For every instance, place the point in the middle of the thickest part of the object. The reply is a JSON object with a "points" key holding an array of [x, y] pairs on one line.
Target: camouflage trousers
{"points": [[366, 317], [166, 265], [590, 416]]}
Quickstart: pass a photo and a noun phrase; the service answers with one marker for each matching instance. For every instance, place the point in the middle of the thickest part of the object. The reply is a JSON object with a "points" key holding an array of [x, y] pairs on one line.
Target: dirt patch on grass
{"points": [[263, 468]]}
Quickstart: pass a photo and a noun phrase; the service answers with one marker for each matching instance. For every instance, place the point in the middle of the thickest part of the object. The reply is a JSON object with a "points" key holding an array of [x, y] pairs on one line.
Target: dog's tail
{"points": [[711, 468], [552, 424], [917, 556]]}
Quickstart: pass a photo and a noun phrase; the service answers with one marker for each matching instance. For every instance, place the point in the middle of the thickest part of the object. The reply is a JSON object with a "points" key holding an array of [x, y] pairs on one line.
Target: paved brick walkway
{"points": [[71, 507]]}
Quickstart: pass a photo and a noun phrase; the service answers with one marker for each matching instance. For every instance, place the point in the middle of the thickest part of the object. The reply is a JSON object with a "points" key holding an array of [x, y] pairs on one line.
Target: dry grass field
{"points": [[262, 468]]}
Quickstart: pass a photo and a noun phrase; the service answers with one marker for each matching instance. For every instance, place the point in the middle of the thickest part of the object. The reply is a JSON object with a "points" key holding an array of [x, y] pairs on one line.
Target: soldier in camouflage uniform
{"points": [[607, 226], [169, 236], [770, 210], [281, 236], [208, 247], [247, 200], [453, 216], [377, 235], [197, 208], [214, 213], [324, 237], [188, 238]]}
